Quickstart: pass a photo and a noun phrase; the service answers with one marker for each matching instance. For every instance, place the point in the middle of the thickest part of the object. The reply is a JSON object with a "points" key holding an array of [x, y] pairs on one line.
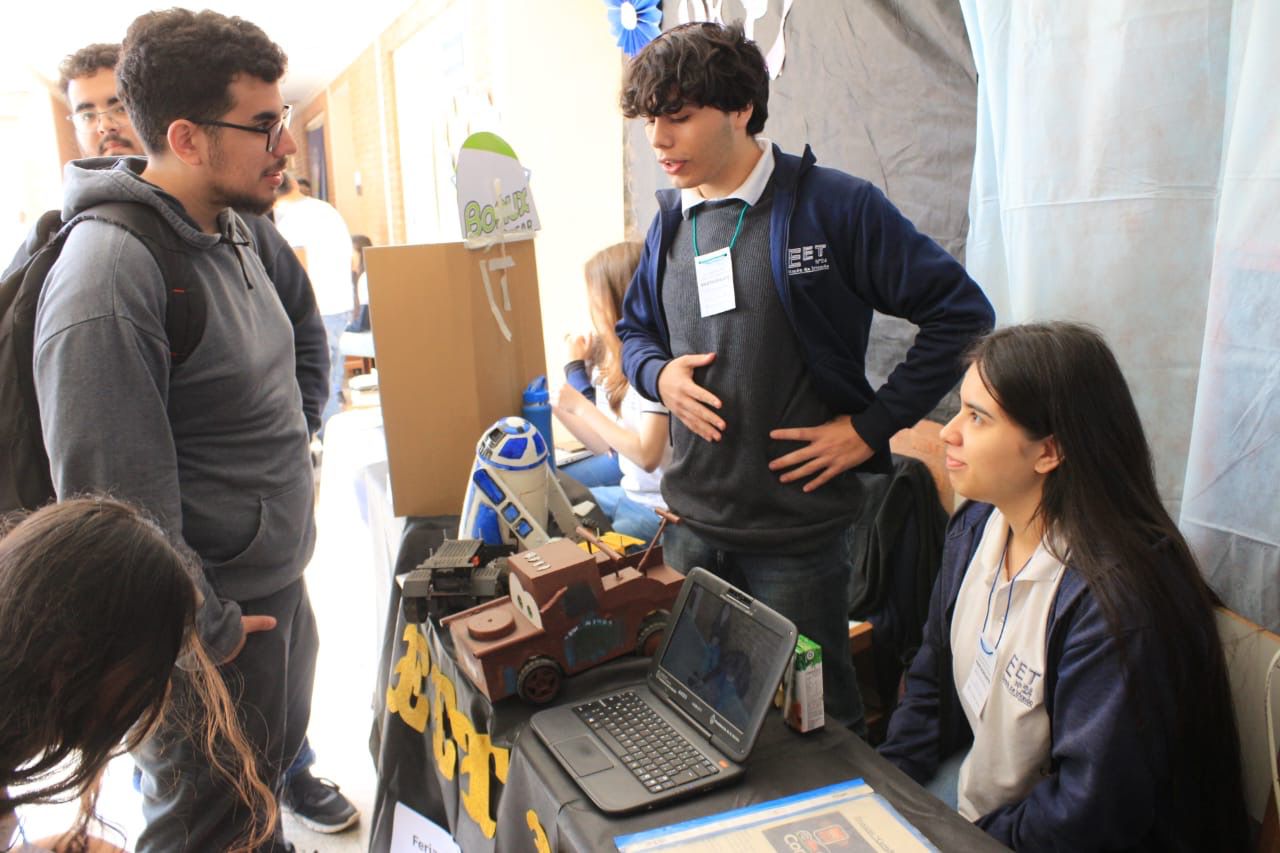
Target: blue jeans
{"points": [[306, 757], [334, 326], [629, 517], [809, 589], [594, 471], [945, 784]]}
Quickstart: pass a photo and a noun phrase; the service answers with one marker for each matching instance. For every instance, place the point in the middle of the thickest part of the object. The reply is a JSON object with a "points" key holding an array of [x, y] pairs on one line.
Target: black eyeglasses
{"points": [[273, 131]]}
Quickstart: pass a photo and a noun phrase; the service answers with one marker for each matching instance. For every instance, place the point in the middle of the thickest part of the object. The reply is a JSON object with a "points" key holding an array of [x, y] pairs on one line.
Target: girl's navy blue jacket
{"points": [[1110, 785]]}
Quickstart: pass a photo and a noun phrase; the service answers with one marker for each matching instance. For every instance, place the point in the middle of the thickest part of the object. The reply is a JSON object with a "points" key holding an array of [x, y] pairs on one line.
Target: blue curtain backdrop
{"points": [[1128, 156], [1231, 500]]}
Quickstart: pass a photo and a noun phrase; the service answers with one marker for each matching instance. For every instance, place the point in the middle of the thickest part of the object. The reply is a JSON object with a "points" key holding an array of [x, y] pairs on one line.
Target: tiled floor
{"points": [[340, 581]]}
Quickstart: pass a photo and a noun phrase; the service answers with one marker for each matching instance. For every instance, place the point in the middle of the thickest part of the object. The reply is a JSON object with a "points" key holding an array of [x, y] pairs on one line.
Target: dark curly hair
{"points": [[86, 62], [179, 64], [706, 65]]}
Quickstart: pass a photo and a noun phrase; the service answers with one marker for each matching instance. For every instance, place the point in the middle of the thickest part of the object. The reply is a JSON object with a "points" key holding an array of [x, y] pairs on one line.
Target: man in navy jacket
{"points": [[748, 318]]}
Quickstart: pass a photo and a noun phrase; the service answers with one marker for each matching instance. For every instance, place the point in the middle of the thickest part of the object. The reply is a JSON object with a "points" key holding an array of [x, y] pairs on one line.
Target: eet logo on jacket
{"points": [[807, 259]]}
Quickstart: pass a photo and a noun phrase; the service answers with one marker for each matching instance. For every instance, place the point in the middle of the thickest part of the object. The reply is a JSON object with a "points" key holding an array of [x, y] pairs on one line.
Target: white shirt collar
{"points": [[1040, 566], [750, 191]]}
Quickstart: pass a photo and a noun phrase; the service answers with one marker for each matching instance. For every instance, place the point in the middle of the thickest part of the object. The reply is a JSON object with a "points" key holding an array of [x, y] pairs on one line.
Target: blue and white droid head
{"points": [[506, 498]]}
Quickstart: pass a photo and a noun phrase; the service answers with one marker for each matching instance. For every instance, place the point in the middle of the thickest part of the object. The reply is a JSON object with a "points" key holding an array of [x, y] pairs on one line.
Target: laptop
{"points": [[693, 722]]}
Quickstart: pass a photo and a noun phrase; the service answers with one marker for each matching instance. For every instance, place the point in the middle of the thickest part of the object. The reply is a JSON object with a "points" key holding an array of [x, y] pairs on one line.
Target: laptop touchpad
{"points": [[583, 756]]}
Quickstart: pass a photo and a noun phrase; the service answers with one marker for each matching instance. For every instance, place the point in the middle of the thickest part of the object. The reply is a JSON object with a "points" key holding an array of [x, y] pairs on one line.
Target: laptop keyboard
{"points": [[654, 752]]}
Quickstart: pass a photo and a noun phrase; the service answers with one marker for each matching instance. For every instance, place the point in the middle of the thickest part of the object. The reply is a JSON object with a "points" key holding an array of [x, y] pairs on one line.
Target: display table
{"points": [[471, 766]]}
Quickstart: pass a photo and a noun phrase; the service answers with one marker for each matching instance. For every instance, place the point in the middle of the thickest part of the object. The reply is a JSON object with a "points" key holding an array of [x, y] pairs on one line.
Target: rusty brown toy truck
{"points": [[568, 610]]}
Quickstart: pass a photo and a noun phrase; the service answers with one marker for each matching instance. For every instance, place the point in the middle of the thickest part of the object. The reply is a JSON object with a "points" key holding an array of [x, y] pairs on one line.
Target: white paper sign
{"points": [[493, 189], [413, 833]]}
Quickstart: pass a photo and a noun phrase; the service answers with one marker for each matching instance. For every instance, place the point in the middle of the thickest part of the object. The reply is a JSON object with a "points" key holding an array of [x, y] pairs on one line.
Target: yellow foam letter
{"points": [[405, 697], [540, 842]]}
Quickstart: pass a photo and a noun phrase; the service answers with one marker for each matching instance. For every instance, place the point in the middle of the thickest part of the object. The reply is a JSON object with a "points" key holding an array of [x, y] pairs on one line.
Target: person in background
{"points": [[318, 229], [304, 187], [96, 609], [1071, 692], [617, 419], [585, 354], [359, 284], [749, 319], [88, 81]]}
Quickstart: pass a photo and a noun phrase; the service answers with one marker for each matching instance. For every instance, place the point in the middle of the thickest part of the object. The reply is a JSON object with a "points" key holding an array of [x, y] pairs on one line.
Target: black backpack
{"points": [[25, 481]]}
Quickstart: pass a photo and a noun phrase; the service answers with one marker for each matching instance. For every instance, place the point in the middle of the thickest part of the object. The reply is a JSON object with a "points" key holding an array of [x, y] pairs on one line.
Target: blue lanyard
{"points": [[1008, 607], [736, 231]]}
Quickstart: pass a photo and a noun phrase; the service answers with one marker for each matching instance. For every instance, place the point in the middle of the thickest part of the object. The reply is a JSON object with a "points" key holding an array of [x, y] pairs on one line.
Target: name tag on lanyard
{"points": [[714, 272], [977, 687]]}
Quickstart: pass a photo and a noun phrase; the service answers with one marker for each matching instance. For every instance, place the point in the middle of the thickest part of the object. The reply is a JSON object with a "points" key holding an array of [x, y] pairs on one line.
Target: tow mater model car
{"points": [[461, 573], [568, 610]]}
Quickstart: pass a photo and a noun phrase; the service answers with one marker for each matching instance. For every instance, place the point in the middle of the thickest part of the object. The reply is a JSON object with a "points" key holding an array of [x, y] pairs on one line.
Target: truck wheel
{"points": [[415, 610], [538, 681], [649, 637]]}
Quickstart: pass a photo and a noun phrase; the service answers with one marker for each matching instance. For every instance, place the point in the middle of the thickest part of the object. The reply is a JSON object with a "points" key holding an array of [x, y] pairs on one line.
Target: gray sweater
{"points": [[216, 448], [724, 491]]}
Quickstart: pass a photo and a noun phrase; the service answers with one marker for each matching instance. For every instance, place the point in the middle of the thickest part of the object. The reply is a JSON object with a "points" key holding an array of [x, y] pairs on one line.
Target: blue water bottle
{"points": [[537, 411]]}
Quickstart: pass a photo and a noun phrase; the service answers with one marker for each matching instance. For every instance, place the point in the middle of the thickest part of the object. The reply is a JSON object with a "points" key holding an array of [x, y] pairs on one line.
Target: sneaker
{"points": [[318, 803]]}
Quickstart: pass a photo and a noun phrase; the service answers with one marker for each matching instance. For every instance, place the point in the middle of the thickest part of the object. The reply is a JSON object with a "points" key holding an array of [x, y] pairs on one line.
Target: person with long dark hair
{"points": [[1071, 671], [96, 608]]}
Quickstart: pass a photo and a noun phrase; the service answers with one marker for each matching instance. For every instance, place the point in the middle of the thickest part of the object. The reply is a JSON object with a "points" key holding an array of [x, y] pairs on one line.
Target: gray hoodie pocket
{"points": [[278, 550]]}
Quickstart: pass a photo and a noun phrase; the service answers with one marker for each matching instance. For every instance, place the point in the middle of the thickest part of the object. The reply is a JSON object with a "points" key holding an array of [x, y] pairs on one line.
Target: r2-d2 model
{"points": [[513, 489]]}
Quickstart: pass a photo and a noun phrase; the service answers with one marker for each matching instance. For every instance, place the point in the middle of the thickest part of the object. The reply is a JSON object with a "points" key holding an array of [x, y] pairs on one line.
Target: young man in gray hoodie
{"points": [[88, 80], [216, 447]]}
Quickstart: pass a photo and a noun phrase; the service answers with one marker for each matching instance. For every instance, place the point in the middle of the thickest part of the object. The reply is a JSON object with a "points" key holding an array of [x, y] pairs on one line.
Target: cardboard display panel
{"points": [[458, 336]]}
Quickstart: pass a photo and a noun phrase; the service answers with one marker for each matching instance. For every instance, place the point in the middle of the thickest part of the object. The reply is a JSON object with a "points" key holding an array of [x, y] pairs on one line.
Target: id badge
{"points": [[714, 272], [978, 685]]}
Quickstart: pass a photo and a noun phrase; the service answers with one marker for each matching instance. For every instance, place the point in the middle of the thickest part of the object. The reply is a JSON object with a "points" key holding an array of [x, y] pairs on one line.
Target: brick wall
{"points": [[359, 113], [303, 115]]}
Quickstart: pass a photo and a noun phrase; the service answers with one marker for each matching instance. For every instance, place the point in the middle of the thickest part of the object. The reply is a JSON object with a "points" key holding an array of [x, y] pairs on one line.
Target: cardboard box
{"points": [[802, 699], [458, 336]]}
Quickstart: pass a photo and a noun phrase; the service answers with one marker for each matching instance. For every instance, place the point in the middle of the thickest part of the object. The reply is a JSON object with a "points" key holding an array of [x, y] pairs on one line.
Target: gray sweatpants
{"points": [[188, 807]]}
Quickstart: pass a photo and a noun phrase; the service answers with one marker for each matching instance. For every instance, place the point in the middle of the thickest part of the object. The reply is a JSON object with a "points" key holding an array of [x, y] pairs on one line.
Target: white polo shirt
{"points": [[643, 487], [1010, 752]]}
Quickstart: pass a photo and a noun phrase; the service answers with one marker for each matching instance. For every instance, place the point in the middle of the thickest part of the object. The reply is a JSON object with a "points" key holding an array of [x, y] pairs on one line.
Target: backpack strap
{"points": [[25, 480], [47, 226], [186, 310]]}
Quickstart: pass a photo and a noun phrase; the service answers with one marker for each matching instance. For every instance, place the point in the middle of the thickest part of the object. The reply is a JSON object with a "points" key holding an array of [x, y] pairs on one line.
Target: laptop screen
{"points": [[725, 660]]}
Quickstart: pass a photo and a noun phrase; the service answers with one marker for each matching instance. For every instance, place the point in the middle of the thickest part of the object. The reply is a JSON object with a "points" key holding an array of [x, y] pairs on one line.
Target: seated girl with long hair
{"points": [[619, 419], [96, 608], [1071, 668]]}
